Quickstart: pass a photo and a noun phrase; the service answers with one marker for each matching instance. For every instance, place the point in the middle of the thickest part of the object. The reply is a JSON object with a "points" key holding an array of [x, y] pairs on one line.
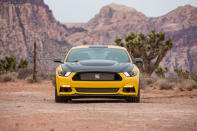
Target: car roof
{"points": [[98, 46]]}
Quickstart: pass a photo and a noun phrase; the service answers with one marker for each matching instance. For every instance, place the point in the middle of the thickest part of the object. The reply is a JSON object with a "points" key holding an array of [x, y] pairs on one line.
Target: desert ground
{"points": [[31, 107]]}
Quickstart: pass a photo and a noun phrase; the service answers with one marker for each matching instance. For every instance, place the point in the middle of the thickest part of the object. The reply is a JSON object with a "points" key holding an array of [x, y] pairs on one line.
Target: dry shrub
{"points": [[194, 76], [188, 84], [51, 77], [173, 79], [11, 76], [146, 80], [24, 73], [30, 80], [46, 76], [164, 84], [54, 82]]}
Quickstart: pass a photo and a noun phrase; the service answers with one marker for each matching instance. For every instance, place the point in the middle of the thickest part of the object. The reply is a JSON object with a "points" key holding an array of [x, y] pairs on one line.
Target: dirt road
{"points": [[31, 107]]}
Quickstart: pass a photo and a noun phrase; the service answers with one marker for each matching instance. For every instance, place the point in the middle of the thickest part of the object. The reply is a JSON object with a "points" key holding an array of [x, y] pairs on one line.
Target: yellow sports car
{"points": [[97, 71]]}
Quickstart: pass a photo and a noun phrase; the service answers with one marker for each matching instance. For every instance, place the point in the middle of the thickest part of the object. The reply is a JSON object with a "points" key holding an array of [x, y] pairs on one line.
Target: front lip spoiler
{"points": [[118, 96]]}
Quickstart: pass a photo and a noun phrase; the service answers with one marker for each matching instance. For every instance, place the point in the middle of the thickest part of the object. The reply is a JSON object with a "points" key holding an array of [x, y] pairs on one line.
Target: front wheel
{"points": [[58, 99], [135, 99]]}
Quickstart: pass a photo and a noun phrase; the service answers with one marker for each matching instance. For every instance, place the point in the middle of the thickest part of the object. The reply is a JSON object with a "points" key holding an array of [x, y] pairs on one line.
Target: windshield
{"points": [[118, 55]]}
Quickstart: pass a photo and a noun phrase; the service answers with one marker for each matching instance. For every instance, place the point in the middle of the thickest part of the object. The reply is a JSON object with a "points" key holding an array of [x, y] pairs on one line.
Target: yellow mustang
{"points": [[97, 71]]}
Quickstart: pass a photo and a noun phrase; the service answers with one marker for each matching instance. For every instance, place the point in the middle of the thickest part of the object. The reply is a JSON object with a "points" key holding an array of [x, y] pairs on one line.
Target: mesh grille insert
{"points": [[97, 90], [97, 76]]}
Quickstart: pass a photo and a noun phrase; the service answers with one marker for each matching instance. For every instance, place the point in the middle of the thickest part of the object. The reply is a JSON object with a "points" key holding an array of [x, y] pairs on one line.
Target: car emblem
{"points": [[97, 76]]}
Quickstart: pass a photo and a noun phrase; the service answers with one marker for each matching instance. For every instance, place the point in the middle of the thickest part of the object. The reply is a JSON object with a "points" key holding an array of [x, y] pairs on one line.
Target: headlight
{"points": [[63, 73], [130, 74]]}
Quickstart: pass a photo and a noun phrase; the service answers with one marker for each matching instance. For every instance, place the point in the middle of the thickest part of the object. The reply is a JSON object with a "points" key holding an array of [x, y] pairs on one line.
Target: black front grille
{"points": [[97, 90], [97, 76]]}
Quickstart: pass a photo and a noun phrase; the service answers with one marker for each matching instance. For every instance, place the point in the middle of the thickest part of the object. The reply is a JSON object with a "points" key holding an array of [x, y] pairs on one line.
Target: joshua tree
{"points": [[23, 64], [160, 72], [194, 76], [10, 63], [152, 48], [2, 66], [182, 74]]}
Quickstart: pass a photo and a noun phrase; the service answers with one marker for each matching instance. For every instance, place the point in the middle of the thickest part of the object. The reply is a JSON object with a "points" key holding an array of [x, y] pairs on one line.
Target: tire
{"points": [[58, 99], [135, 99]]}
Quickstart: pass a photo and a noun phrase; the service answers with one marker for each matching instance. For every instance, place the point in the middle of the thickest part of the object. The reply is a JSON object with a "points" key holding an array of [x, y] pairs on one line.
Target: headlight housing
{"points": [[130, 74], [63, 73]]}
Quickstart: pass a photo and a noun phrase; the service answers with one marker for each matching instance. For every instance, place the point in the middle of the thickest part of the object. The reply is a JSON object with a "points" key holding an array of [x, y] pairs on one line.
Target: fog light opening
{"points": [[129, 90], [67, 89]]}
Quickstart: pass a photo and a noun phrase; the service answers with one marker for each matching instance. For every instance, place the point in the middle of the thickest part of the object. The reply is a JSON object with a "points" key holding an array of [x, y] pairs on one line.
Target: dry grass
{"points": [[11, 76], [164, 84], [146, 80], [187, 84], [30, 80], [24, 73]]}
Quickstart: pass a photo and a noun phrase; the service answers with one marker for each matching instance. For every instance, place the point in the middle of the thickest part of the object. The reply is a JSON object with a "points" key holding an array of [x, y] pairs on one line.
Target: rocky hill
{"points": [[23, 22], [117, 20]]}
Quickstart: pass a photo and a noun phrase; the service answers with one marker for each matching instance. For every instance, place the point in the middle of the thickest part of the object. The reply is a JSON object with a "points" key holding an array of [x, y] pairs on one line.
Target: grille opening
{"points": [[128, 90], [63, 89], [97, 90], [97, 76]]}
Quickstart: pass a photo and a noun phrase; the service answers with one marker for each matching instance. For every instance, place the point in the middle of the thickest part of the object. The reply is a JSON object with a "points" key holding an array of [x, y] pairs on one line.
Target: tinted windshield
{"points": [[119, 55]]}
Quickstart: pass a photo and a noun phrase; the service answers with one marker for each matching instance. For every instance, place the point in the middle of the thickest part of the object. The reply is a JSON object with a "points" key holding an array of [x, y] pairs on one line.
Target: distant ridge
{"points": [[23, 22]]}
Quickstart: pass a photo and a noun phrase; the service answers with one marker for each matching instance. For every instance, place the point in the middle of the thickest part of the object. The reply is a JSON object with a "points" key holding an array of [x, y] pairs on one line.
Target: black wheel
{"points": [[67, 99], [58, 99], [135, 99]]}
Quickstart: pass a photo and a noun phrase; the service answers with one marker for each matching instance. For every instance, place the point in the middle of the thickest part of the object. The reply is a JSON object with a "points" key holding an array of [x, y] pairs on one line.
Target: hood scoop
{"points": [[97, 63]]}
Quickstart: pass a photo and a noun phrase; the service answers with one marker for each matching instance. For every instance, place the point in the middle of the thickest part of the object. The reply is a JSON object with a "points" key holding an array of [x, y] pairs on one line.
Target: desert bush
{"points": [[149, 81], [43, 76], [2, 66], [194, 76], [54, 81], [174, 79], [23, 64], [46, 76], [24, 73], [187, 85], [146, 80], [160, 72], [8, 64], [164, 84], [8, 77], [30, 80], [182, 74]]}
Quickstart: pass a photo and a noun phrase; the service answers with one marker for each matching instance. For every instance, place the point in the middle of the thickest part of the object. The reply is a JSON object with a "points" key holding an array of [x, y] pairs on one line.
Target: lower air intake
{"points": [[97, 90]]}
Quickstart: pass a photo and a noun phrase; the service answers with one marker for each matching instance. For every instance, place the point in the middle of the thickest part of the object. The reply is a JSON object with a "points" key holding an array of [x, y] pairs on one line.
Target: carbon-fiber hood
{"points": [[97, 66]]}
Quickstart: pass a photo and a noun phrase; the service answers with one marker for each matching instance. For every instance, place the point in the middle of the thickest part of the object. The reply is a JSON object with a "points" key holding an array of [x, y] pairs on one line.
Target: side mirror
{"points": [[57, 60], [138, 60]]}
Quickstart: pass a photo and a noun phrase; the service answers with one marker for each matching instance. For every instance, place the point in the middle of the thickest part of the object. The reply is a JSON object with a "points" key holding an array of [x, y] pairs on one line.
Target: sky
{"points": [[74, 11]]}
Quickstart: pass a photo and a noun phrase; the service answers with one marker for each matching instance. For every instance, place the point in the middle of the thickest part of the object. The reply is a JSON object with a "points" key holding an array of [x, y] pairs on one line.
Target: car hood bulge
{"points": [[97, 66]]}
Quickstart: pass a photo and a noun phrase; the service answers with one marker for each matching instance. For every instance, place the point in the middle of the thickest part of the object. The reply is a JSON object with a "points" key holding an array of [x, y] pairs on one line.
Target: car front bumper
{"points": [[126, 82]]}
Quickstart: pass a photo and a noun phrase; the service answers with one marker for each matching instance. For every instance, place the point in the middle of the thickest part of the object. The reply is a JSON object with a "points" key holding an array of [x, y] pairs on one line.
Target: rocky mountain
{"points": [[23, 22], [117, 21]]}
